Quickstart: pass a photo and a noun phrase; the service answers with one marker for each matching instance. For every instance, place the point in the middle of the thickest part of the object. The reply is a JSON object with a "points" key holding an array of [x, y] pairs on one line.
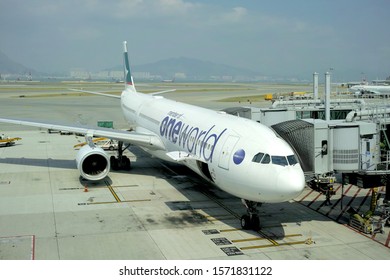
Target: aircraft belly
{"points": [[160, 154], [241, 182]]}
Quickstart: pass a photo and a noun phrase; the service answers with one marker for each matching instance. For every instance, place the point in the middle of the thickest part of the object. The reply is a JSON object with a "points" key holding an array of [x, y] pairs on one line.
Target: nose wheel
{"points": [[251, 220]]}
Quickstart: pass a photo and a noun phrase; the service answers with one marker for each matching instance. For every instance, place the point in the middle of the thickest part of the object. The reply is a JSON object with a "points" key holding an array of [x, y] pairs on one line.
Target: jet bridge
{"points": [[332, 136], [328, 147], [298, 109]]}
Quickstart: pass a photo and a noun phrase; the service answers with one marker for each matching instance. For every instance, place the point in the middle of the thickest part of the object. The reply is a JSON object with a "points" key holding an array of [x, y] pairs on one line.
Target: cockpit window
{"points": [[266, 159], [279, 160], [257, 158], [292, 160]]}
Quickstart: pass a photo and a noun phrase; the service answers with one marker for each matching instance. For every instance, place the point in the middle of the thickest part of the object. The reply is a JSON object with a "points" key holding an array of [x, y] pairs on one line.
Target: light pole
{"points": [[331, 69]]}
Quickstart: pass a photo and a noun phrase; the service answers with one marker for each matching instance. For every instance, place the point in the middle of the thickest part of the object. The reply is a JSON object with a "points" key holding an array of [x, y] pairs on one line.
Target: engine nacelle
{"points": [[93, 163]]}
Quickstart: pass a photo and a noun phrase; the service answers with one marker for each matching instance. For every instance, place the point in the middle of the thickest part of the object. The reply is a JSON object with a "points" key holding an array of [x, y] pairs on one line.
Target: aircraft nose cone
{"points": [[291, 183]]}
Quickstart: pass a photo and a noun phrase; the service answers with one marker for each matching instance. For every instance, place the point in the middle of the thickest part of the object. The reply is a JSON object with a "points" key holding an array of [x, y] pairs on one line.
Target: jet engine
{"points": [[93, 163]]}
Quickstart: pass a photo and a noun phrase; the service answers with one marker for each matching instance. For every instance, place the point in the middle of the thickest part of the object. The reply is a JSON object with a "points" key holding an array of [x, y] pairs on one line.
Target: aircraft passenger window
{"points": [[279, 160], [258, 157], [292, 160], [266, 159]]}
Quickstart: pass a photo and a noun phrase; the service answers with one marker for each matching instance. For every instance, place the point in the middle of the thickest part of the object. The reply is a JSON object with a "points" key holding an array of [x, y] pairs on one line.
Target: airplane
{"points": [[241, 157], [169, 80], [7, 141], [369, 89]]}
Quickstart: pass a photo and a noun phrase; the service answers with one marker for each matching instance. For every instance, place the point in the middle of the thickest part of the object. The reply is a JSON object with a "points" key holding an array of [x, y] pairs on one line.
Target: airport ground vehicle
{"points": [[103, 143], [7, 141], [107, 144]]}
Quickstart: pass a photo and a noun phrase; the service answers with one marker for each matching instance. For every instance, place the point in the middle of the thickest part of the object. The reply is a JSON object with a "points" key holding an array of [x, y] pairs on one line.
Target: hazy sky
{"points": [[285, 38]]}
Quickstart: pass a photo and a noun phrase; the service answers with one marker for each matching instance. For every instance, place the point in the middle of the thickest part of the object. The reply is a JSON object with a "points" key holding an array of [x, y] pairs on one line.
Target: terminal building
{"points": [[335, 139]]}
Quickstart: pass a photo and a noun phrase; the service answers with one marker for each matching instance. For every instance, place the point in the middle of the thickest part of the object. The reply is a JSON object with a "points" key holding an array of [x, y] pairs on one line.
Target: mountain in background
{"points": [[182, 68], [192, 69], [8, 66]]}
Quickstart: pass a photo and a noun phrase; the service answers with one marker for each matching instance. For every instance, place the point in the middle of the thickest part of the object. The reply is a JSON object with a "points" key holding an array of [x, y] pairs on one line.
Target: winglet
{"points": [[129, 84]]}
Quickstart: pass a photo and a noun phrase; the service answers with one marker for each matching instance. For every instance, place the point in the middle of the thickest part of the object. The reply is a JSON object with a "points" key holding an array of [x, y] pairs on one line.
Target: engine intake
{"points": [[93, 163]]}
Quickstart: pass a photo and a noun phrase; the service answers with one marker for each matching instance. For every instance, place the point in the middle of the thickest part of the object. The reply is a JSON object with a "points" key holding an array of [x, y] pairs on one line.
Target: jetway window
{"points": [[324, 149], [279, 160], [257, 158]]}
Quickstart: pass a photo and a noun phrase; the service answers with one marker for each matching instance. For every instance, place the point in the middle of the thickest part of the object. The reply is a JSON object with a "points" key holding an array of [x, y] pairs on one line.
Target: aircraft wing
{"points": [[118, 96], [149, 141], [97, 93]]}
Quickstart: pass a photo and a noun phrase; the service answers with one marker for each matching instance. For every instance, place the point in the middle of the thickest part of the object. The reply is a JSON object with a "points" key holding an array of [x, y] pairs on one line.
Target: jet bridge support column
{"points": [[327, 96], [387, 194], [315, 85]]}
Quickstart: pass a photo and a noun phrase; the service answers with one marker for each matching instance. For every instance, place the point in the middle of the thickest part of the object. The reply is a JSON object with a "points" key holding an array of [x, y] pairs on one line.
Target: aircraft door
{"points": [[227, 151]]}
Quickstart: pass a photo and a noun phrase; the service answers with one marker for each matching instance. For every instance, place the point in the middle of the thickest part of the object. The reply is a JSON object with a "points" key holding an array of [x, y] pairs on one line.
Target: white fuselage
{"points": [[224, 149], [370, 89]]}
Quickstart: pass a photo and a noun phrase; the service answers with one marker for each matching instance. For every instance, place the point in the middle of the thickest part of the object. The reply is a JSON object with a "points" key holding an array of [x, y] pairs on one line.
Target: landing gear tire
{"points": [[126, 163], [114, 163], [250, 222], [255, 222], [245, 222], [123, 164], [120, 162]]}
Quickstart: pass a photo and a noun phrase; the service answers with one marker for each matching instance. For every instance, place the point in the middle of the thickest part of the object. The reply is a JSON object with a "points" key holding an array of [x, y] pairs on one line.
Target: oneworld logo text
{"points": [[193, 139]]}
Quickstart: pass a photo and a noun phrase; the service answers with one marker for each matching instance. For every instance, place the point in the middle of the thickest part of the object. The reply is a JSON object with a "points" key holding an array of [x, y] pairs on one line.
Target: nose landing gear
{"points": [[251, 220]]}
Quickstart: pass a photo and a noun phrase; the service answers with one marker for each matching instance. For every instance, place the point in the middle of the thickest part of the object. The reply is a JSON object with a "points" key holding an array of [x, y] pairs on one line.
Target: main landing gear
{"points": [[251, 220], [120, 162]]}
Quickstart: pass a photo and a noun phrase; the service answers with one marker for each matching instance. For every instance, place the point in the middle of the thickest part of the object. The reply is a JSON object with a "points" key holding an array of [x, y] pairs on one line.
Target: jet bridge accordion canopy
{"points": [[300, 135]]}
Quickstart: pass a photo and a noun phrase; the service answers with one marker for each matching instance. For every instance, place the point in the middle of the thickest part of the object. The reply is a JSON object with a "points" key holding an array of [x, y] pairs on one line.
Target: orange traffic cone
{"points": [[85, 188]]}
